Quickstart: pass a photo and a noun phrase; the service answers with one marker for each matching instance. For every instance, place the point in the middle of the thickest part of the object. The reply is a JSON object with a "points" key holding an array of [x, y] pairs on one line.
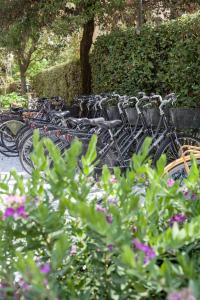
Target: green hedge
{"points": [[164, 59], [62, 80], [161, 59]]}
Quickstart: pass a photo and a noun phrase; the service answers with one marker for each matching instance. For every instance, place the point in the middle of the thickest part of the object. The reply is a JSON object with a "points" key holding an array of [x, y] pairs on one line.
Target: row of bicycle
{"points": [[118, 139]]}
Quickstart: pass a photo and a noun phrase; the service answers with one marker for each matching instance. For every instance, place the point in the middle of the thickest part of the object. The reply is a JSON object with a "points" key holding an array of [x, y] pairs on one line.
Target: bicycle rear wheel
{"points": [[172, 148], [177, 169]]}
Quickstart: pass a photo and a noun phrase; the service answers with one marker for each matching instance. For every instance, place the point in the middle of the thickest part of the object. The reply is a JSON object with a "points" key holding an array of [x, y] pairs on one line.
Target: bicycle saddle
{"points": [[105, 124], [85, 121], [61, 114]]}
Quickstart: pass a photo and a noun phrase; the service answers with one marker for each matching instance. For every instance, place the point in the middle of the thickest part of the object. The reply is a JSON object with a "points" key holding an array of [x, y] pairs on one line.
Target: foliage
{"points": [[163, 59], [138, 240], [52, 50], [21, 24], [12, 99], [62, 80]]}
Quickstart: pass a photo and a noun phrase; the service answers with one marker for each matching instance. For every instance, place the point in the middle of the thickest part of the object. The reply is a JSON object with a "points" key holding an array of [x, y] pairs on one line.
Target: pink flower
{"points": [[170, 182], [15, 207], [23, 284], [109, 219], [45, 268], [100, 208], [113, 179], [14, 199]]}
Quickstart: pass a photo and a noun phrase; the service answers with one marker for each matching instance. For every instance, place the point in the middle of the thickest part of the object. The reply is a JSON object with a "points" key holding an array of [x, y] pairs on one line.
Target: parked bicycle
{"points": [[117, 139]]}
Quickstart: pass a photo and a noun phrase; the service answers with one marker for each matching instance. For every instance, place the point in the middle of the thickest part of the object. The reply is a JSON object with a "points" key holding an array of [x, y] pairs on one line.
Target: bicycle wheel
{"points": [[171, 148], [26, 148], [8, 133], [20, 134], [177, 169]]}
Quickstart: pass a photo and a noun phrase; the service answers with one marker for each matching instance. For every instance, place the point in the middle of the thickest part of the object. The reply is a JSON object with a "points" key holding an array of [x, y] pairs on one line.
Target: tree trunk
{"points": [[85, 46], [139, 16], [23, 70], [23, 82]]}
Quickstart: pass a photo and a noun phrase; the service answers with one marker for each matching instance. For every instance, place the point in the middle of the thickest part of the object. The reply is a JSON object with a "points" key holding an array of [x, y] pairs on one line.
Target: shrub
{"points": [[164, 59], [59, 240], [62, 80], [12, 87], [13, 98]]}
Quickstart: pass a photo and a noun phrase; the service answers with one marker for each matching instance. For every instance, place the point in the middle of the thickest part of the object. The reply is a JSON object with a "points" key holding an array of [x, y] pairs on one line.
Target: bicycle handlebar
{"points": [[171, 98]]}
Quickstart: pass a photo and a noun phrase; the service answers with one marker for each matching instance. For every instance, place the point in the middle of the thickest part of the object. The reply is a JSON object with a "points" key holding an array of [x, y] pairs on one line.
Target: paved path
{"points": [[8, 163]]}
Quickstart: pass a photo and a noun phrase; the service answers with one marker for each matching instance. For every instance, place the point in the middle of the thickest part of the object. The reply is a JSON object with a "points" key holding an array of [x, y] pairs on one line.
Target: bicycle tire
{"points": [[8, 133], [167, 145], [26, 149], [21, 133], [178, 172]]}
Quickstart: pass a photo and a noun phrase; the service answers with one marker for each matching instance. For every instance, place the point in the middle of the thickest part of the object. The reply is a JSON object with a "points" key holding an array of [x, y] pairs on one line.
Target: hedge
{"points": [[164, 59], [62, 80]]}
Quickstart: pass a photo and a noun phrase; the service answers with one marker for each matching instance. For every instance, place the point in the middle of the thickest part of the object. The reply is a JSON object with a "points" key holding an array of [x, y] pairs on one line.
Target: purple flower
{"points": [[15, 212], [45, 268], [170, 182], [193, 197], [20, 212], [73, 250], [110, 247], [179, 218], [188, 195], [9, 212], [100, 208], [109, 219], [148, 251], [23, 284]]}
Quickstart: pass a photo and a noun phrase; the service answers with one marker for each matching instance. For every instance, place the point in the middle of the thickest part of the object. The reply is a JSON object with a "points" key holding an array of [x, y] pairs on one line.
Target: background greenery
{"points": [[161, 59], [62, 80]]}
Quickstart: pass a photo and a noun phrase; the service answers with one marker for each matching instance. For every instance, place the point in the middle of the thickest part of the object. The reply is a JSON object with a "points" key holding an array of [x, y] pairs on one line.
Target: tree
{"points": [[21, 23], [86, 15]]}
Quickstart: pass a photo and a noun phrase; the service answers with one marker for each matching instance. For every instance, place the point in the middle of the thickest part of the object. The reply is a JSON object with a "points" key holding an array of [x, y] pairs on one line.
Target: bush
{"points": [[12, 87], [163, 59], [62, 80], [12, 99], [138, 240]]}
